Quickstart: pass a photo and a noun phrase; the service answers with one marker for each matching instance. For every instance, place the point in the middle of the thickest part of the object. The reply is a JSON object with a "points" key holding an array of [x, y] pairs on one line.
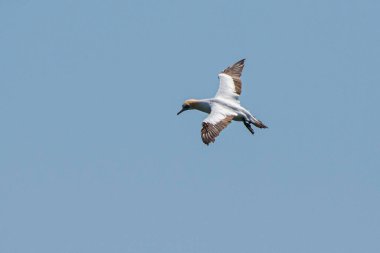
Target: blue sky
{"points": [[94, 158]]}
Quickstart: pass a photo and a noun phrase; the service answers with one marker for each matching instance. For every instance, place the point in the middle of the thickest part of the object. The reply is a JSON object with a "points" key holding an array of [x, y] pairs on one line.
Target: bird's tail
{"points": [[257, 123]]}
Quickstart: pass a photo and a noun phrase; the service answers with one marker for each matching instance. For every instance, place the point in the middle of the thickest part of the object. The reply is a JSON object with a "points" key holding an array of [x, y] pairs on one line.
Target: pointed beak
{"points": [[181, 111]]}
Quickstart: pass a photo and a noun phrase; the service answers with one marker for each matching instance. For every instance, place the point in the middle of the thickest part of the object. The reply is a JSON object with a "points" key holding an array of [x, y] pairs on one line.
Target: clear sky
{"points": [[95, 159]]}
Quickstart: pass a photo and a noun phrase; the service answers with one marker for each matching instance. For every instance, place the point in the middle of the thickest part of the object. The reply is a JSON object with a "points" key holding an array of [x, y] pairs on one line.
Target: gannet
{"points": [[224, 107]]}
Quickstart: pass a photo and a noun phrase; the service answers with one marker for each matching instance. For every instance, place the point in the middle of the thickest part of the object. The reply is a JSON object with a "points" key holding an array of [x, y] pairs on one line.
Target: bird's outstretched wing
{"points": [[217, 120], [230, 82]]}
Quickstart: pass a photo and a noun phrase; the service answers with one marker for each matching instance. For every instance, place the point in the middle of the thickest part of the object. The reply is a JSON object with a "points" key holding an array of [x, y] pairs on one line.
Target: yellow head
{"points": [[187, 105]]}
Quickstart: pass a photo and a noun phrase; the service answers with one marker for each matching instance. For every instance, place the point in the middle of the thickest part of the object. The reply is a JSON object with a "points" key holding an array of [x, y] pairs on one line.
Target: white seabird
{"points": [[224, 107]]}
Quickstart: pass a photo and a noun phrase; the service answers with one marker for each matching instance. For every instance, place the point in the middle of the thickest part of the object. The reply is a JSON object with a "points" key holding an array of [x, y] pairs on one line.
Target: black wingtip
{"points": [[241, 61]]}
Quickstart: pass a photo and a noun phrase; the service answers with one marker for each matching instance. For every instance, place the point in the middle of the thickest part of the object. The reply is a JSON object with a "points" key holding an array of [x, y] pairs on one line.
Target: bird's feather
{"points": [[217, 120], [230, 82]]}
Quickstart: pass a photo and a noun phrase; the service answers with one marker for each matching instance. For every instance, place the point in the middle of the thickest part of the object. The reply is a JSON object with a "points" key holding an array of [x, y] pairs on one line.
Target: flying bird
{"points": [[224, 107]]}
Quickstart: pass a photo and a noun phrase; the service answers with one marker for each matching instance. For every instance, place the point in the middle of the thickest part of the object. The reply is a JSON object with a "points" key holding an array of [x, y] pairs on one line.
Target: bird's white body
{"points": [[225, 106]]}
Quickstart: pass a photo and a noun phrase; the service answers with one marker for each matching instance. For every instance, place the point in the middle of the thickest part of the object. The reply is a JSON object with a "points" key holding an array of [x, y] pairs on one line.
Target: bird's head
{"points": [[187, 105]]}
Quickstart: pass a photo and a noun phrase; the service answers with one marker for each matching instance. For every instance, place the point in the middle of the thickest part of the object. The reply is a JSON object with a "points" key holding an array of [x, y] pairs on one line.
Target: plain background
{"points": [[94, 158]]}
